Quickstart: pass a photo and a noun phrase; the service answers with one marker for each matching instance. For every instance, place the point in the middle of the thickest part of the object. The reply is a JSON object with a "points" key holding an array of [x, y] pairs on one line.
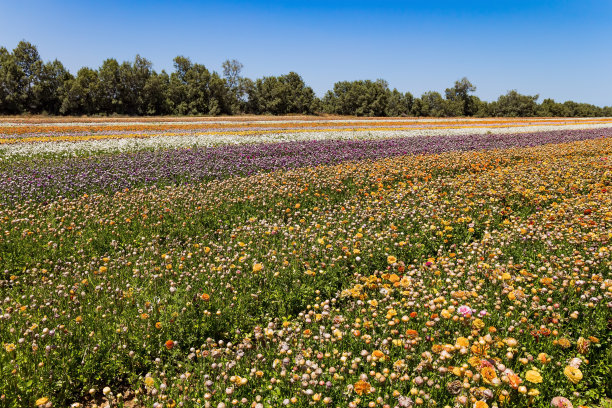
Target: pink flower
{"points": [[561, 402], [464, 310]]}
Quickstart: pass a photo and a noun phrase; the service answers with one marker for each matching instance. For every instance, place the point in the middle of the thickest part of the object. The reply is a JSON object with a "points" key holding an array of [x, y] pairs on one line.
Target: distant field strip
{"points": [[27, 138]]}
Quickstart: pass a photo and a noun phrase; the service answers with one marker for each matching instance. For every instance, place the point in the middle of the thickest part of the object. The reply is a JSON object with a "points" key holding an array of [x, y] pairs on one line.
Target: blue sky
{"points": [[559, 49]]}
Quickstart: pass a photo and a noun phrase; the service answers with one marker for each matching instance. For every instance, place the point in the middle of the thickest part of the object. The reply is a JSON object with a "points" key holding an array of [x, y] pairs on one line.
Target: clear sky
{"points": [[558, 49]]}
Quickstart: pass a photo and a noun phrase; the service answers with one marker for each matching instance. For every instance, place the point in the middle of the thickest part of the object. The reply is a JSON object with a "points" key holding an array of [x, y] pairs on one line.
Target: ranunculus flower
{"points": [[513, 379], [561, 402], [488, 374], [533, 376], [464, 310], [362, 387], [573, 374], [41, 401]]}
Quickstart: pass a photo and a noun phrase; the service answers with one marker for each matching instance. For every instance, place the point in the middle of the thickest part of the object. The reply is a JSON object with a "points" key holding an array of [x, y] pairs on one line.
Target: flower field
{"points": [[306, 262]]}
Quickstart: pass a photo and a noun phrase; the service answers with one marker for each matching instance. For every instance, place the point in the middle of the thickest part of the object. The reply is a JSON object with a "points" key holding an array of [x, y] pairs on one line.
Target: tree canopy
{"points": [[30, 85]]}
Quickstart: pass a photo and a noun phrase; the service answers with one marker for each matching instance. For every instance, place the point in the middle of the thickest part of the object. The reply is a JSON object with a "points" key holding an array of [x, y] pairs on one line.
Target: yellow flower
{"points": [[478, 324], [533, 376], [474, 361], [391, 314], [391, 259], [563, 342], [41, 401], [257, 267], [463, 342], [9, 347], [583, 345], [149, 381], [573, 374], [533, 392], [481, 404]]}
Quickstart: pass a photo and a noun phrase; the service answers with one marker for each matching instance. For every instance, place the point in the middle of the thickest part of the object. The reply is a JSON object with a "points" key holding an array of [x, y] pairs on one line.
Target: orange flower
{"points": [[543, 358], [205, 297], [169, 344], [488, 374], [363, 387], [394, 278], [480, 349], [412, 333], [377, 354], [514, 380], [158, 325]]}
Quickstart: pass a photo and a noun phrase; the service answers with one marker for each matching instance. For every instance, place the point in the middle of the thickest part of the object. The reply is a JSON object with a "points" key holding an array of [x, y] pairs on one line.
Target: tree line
{"points": [[29, 85]]}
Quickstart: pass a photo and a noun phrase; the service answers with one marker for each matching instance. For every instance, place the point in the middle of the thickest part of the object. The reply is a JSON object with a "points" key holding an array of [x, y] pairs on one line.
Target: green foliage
{"points": [[12, 79], [513, 104], [28, 85], [282, 95], [365, 98], [462, 103]]}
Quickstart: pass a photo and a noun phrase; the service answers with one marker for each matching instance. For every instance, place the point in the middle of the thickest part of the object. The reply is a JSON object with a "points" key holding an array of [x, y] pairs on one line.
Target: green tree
{"points": [[156, 94], [399, 104], [51, 87], [360, 98], [12, 83], [513, 104], [83, 94], [460, 95], [28, 60], [549, 107], [109, 76], [282, 95], [432, 104], [132, 80], [194, 90], [235, 83]]}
